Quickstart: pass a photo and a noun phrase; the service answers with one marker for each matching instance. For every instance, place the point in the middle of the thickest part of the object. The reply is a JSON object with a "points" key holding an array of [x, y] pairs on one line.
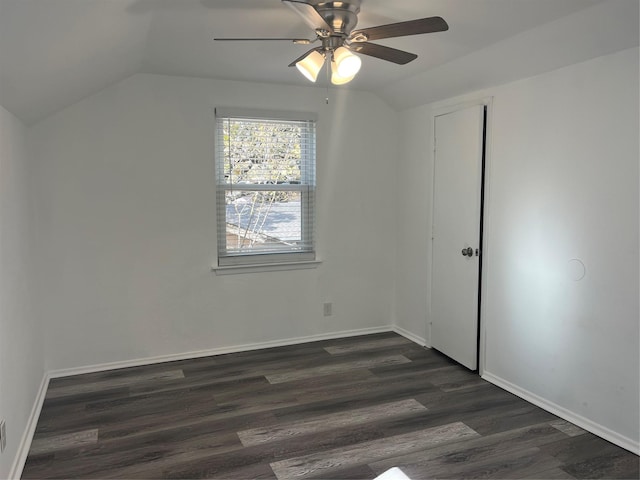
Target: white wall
{"points": [[563, 184], [21, 359], [127, 224], [413, 222]]}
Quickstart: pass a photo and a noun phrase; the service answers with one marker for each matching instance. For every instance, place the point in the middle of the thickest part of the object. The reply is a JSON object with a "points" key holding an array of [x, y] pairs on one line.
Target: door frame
{"points": [[440, 110]]}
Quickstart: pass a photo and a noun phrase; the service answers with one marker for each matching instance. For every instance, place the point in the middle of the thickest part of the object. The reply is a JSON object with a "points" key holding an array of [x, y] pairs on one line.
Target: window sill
{"points": [[266, 267]]}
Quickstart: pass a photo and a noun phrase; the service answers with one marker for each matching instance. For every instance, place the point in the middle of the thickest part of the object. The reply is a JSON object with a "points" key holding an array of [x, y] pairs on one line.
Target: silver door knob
{"points": [[467, 252]]}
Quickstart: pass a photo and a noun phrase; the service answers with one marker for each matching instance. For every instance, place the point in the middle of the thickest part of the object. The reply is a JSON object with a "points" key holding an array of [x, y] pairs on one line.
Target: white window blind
{"points": [[265, 177]]}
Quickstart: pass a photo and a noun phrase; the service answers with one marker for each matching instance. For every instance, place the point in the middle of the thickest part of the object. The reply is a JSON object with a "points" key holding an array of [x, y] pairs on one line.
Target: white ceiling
{"points": [[55, 52]]}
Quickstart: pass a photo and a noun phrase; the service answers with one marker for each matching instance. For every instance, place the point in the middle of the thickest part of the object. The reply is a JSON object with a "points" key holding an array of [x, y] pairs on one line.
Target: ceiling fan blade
{"points": [[303, 56], [297, 41], [402, 29], [384, 53], [309, 14]]}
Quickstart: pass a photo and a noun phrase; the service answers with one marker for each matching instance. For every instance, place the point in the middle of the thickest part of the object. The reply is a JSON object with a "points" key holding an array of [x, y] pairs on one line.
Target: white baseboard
{"points": [[27, 436], [411, 336], [25, 443], [585, 423], [66, 372]]}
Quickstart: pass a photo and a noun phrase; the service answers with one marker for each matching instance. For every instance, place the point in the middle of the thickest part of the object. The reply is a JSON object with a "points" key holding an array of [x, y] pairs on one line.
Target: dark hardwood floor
{"points": [[347, 408]]}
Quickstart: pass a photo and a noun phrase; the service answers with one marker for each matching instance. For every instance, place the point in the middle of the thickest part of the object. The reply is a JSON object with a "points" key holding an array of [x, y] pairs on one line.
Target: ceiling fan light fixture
{"points": [[311, 65], [338, 79], [347, 64]]}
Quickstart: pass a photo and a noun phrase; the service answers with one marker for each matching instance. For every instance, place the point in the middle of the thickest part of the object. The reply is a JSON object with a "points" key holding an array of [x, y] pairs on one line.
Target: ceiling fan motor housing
{"points": [[342, 17]]}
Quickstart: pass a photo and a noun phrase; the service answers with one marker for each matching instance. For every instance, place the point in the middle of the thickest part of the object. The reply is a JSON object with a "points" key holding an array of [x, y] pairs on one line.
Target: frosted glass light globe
{"points": [[347, 63], [310, 65]]}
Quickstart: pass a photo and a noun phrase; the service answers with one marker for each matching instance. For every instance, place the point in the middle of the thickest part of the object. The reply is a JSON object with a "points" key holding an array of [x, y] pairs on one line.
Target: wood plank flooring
{"points": [[349, 408]]}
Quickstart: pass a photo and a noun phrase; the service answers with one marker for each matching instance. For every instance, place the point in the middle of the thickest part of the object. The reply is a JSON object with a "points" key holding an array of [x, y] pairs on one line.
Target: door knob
{"points": [[467, 252]]}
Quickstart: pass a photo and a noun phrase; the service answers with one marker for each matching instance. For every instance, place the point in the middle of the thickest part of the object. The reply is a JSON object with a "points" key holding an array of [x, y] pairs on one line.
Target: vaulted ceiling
{"points": [[55, 52]]}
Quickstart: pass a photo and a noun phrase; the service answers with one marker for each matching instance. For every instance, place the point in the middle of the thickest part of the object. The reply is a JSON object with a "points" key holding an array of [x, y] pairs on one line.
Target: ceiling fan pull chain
{"points": [[328, 80]]}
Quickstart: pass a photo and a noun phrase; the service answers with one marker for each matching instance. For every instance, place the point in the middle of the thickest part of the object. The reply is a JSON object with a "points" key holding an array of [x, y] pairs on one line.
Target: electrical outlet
{"points": [[3, 436], [328, 309]]}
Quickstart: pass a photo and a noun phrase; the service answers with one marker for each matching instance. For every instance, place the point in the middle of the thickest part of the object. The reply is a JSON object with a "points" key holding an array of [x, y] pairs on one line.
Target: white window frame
{"points": [[285, 260]]}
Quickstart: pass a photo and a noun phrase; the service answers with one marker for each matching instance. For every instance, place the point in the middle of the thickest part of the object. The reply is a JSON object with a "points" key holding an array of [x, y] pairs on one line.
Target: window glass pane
{"points": [[268, 220], [262, 152]]}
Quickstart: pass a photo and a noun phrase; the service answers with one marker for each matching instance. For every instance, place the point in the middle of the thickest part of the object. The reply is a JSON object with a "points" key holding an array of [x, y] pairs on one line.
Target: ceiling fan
{"points": [[333, 23]]}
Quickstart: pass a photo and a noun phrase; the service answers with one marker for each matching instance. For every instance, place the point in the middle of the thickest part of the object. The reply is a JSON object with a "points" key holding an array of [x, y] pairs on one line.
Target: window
{"points": [[265, 177]]}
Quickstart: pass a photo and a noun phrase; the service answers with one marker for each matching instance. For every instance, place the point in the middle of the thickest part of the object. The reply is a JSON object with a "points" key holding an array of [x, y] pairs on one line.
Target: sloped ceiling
{"points": [[56, 52]]}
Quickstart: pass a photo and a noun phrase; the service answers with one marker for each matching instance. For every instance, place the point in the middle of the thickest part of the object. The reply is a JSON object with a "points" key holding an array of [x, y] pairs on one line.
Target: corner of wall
{"points": [[21, 357]]}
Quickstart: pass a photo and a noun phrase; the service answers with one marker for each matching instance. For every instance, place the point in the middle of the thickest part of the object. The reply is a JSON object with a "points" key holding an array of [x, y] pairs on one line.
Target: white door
{"points": [[459, 145]]}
